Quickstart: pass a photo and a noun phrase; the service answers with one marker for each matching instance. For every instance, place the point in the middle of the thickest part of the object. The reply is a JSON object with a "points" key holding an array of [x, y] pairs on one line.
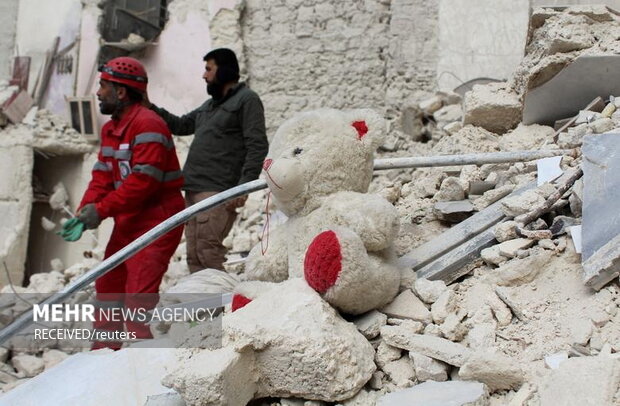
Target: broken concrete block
{"points": [[496, 371], [526, 137], [448, 114], [604, 265], [450, 190], [521, 204], [452, 328], [432, 330], [28, 365], [491, 196], [481, 336], [428, 369], [561, 224], [453, 212], [407, 306], [505, 231], [576, 198], [509, 248], [581, 330], [275, 337], [500, 310], [480, 187], [434, 347], [518, 272], [401, 372], [453, 127], [453, 393], [47, 282], [602, 125], [582, 381], [493, 107], [429, 291], [523, 395], [491, 256], [445, 304], [370, 323], [413, 326], [386, 354], [431, 105], [376, 382]]}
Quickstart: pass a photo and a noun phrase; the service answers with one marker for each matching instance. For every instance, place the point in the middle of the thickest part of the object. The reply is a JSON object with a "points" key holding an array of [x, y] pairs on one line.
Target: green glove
{"points": [[72, 230]]}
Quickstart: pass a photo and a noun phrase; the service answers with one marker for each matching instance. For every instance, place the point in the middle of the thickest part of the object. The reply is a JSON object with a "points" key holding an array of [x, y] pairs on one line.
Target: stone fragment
{"points": [[453, 393], [582, 381], [413, 326], [407, 306], [467, 140], [496, 371], [518, 272], [431, 105], [53, 357], [521, 204], [491, 196], [445, 304], [450, 190], [602, 125], [481, 336], [432, 330], [452, 128], [411, 122], [4, 354], [376, 382], [523, 395], [491, 256], [400, 372], [452, 328], [501, 312], [275, 337], [434, 347], [480, 187], [429, 291], [505, 231], [370, 323], [386, 354], [449, 113], [428, 369], [493, 107], [362, 398], [576, 198], [547, 244], [509, 248], [526, 137], [561, 224], [47, 282], [453, 212], [28, 365]]}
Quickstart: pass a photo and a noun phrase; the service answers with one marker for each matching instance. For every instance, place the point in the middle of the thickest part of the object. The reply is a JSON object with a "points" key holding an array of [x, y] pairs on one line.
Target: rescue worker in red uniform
{"points": [[137, 180]]}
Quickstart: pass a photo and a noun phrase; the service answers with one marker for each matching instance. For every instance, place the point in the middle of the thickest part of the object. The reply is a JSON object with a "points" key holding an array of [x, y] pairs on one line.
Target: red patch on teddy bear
{"points": [[323, 261]]}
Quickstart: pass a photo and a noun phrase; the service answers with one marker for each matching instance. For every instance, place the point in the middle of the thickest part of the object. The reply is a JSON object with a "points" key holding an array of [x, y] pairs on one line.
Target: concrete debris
{"points": [[53, 357], [492, 256], [429, 291], [554, 361], [491, 196], [582, 381], [445, 304], [165, 399], [28, 365], [400, 372], [496, 371], [428, 369], [494, 107], [522, 204], [455, 211], [505, 231], [453, 393], [509, 248], [386, 354], [407, 306], [451, 189], [370, 323], [518, 272]]}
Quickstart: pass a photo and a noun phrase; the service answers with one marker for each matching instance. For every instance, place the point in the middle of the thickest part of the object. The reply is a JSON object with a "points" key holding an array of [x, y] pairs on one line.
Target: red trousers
{"points": [[134, 284]]}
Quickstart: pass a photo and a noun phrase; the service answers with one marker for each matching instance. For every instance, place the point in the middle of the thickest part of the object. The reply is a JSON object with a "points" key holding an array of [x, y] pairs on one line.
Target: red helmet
{"points": [[125, 70]]}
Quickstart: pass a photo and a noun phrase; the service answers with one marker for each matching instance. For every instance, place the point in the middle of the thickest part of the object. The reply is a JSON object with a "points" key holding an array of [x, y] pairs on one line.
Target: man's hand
{"points": [[238, 202], [89, 216]]}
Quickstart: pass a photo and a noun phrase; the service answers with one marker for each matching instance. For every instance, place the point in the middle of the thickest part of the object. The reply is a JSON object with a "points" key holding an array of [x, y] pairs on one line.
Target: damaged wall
{"points": [[8, 19], [342, 55]]}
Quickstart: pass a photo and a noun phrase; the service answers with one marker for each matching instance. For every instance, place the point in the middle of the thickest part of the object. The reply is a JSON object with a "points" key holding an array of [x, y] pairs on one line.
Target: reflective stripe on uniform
{"points": [[153, 137], [107, 152], [117, 184], [102, 166], [158, 174], [123, 154], [149, 170]]}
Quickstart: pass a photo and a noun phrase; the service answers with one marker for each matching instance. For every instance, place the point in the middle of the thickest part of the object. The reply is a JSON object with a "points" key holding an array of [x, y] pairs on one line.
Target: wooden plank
{"points": [[457, 235], [17, 108]]}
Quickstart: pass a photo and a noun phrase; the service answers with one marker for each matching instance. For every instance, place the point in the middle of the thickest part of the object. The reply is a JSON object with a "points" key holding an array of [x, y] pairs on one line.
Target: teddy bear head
{"points": [[317, 153]]}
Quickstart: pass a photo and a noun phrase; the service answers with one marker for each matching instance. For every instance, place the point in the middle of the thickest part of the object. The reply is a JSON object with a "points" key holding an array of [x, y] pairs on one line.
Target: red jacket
{"points": [[137, 165]]}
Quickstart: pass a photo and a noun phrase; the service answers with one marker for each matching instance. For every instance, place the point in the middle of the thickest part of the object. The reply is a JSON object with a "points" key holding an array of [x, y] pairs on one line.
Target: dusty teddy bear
{"points": [[337, 236], [285, 337]]}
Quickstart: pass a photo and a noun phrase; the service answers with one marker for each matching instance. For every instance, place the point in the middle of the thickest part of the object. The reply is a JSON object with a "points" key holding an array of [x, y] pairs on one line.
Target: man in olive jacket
{"points": [[228, 149]]}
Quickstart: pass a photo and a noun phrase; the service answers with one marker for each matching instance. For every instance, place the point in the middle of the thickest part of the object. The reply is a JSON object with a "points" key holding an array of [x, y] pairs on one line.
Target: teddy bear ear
{"points": [[368, 126]]}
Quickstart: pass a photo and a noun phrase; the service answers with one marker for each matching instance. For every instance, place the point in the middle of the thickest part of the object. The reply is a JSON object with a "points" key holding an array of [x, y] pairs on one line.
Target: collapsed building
{"points": [[498, 312]]}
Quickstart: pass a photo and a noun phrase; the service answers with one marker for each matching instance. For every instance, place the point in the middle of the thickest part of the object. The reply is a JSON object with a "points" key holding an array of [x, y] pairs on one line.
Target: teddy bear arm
{"points": [[370, 216]]}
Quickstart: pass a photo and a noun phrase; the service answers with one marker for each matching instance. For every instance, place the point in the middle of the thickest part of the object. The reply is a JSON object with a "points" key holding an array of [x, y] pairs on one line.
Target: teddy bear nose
{"points": [[267, 164]]}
